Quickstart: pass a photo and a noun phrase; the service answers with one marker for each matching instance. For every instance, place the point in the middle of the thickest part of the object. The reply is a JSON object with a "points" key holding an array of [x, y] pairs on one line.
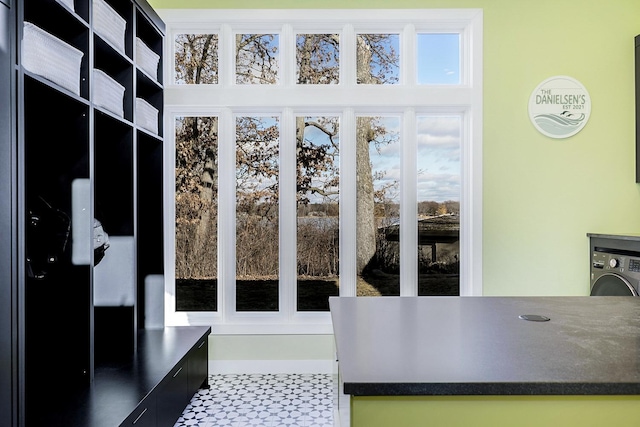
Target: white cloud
{"points": [[437, 158], [438, 186]]}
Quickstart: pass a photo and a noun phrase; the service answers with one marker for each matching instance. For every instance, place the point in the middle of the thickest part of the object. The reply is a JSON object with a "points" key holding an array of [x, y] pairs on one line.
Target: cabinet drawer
{"points": [[172, 395], [144, 415], [198, 365]]}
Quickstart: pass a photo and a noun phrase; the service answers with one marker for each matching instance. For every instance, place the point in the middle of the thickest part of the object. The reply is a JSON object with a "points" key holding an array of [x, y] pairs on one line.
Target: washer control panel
{"points": [[634, 265], [615, 263], [615, 268]]}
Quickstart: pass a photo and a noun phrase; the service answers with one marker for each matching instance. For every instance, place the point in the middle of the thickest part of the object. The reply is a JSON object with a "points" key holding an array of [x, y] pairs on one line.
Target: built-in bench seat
{"points": [[151, 388]]}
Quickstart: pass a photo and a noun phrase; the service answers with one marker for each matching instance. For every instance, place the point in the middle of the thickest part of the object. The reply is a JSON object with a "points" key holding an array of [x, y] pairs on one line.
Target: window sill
{"points": [[256, 323]]}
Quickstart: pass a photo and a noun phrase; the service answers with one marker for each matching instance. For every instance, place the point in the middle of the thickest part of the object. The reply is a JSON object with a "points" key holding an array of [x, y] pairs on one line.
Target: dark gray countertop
{"points": [[479, 345]]}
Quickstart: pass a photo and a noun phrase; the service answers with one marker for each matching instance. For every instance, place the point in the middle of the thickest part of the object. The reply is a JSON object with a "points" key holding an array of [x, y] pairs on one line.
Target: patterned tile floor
{"points": [[262, 400]]}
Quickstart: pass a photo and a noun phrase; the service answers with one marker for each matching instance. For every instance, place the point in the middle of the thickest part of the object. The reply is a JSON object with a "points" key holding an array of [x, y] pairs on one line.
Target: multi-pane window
{"points": [[378, 163], [377, 58], [317, 211], [196, 213], [338, 158], [438, 197], [196, 59], [318, 58], [257, 213], [257, 58], [438, 58]]}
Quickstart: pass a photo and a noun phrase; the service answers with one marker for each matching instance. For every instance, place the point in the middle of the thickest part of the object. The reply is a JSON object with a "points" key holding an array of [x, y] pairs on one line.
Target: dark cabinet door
{"points": [[198, 366], [173, 396], [144, 415]]}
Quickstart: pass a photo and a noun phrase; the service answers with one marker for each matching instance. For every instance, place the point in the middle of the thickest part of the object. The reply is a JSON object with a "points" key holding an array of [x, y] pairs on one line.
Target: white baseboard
{"points": [[271, 366]]}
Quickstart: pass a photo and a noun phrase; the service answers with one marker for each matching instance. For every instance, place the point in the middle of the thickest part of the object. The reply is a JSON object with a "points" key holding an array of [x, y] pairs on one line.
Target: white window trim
{"points": [[347, 100]]}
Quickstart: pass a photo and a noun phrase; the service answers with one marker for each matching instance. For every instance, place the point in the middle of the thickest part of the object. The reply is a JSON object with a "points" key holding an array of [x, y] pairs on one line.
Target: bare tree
{"points": [[318, 58], [196, 58], [196, 163], [316, 160], [317, 63], [256, 59], [377, 60], [196, 195]]}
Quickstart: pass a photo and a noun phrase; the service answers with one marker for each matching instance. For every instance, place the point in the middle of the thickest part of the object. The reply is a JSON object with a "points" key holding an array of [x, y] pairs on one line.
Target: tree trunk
{"points": [[365, 218], [305, 71], [208, 180]]}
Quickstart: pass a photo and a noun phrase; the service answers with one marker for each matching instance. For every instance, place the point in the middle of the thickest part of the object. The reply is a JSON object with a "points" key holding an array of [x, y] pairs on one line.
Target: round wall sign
{"points": [[559, 107]]}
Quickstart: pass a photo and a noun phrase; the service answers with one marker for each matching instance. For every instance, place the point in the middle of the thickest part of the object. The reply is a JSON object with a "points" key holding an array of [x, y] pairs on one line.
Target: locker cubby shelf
{"points": [[86, 163]]}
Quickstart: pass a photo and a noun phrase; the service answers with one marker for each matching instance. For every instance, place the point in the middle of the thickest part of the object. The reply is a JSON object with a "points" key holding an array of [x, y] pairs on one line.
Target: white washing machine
{"points": [[615, 266]]}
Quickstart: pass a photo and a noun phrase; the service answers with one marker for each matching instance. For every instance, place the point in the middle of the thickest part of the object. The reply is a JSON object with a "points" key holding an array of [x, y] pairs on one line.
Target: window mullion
{"points": [[348, 59], [227, 214], [348, 203], [226, 53], [287, 187], [408, 207], [471, 219], [408, 49], [287, 56], [471, 206]]}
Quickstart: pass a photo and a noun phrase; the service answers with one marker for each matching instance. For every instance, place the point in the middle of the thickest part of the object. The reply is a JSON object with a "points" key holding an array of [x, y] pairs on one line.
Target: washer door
{"points": [[612, 285]]}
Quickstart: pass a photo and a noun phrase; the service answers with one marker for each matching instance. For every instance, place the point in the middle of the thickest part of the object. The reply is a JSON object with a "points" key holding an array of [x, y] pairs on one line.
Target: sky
{"points": [[437, 159], [438, 137], [438, 59]]}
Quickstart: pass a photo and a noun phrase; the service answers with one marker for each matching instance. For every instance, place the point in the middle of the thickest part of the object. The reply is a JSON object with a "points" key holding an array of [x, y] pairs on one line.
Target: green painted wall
{"points": [[271, 347], [541, 196], [491, 411]]}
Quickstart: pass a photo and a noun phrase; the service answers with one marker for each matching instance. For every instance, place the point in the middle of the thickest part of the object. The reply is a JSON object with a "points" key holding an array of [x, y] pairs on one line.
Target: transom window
{"points": [[317, 153]]}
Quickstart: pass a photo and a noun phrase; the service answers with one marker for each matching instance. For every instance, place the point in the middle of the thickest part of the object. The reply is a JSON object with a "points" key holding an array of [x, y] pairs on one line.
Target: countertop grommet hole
{"points": [[534, 317]]}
